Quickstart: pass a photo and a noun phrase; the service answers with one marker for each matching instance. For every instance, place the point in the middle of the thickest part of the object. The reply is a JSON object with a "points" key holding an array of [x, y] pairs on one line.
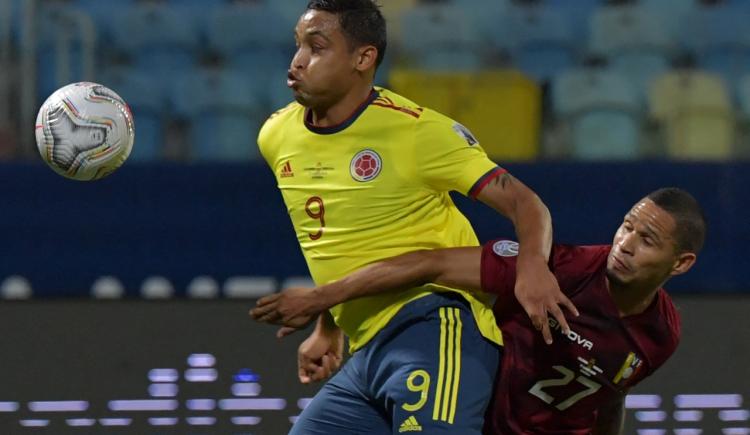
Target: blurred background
{"points": [[592, 103]]}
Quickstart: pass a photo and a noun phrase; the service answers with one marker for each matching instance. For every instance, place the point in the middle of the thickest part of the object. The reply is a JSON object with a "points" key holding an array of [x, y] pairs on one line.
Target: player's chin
{"points": [[616, 277]]}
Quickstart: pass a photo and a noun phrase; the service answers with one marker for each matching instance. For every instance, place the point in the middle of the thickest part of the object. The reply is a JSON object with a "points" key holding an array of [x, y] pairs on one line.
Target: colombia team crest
{"points": [[365, 166]]}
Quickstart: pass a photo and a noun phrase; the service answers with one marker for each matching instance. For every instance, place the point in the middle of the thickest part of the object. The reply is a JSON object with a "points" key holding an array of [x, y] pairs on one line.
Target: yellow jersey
{"points": [[374, 187]]}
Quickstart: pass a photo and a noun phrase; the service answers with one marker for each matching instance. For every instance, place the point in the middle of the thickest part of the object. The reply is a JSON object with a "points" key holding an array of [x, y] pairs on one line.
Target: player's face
{"points": [[644, 250], [323, 68]]}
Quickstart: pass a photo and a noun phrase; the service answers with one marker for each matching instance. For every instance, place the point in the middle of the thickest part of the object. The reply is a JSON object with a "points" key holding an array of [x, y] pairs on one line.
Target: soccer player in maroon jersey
{"points": [[627, 326]]}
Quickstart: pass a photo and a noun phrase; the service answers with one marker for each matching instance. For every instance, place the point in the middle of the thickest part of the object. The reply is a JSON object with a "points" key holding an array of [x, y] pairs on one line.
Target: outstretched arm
{"points": [[297, 307], [536, 287]]}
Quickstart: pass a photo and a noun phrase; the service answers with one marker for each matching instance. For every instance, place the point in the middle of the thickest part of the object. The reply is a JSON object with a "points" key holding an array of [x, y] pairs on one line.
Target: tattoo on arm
{"points": [[504, 180]]}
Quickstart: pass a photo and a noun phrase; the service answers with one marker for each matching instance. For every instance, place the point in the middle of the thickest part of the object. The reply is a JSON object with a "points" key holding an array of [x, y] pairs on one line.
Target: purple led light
{"points": [[115, 421], [642, 401], [201, 360], [163, 375], [163, 421], [34, 423], [252, 404], [652, 432], [650, 416], [80, 422], [9, 406], [201, 404], [143, 405], [734, 415], [688, 431], [302, 403], [736, 431], [59, 406], [201, 375], [688, 415], [201, 421], [708, 401], [163, 390], [245, 421], [246, 389]]}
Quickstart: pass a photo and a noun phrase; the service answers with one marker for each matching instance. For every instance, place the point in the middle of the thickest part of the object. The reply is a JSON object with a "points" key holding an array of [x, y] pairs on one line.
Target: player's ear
{"points": [[367, 57], [683, 263]]}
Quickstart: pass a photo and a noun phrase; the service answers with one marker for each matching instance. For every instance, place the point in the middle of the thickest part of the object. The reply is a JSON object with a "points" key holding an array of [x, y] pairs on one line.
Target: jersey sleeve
{"points": [[571, 265], [450, 158]]}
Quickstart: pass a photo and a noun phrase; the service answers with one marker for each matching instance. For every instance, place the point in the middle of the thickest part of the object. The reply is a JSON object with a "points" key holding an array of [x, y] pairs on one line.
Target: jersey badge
{"points": [[589, 368], [410, 425], [465, 134], [286, 170], [629, 368], [505, 248], [365, 165]]}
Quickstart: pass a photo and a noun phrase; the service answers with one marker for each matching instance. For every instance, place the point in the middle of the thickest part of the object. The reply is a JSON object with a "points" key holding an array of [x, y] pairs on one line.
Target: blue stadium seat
{"points": [[543, 43], [440, 37], [578, 13], [252, 37], [637, 44], [159, 40], [488, 17], [603, 111], [147, 100], [743, 95], [672, 13], [720, 38], [224, 112], [63, 54], [105, 14]]}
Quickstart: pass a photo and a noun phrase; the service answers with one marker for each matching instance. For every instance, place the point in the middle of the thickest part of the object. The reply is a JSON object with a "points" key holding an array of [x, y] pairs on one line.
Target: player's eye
{"points": [[648, 241]]}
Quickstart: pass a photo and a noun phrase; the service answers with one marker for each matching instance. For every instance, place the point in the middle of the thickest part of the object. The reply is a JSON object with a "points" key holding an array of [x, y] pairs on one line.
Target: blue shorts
{"points": [[428, 371]]}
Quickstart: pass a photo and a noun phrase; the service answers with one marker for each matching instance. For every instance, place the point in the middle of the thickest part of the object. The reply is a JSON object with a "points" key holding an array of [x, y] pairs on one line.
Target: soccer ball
{"points": [[84, 131]]}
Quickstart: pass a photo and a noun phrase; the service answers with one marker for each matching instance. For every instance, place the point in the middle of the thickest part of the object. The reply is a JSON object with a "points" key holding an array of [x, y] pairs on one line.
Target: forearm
{"points": [[403, 271]]}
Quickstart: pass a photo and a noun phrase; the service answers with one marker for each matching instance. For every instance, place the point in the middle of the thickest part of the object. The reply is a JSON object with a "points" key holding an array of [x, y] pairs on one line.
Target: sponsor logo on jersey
{"points": [[572, 335], [286, 170], [505, 248], [365, 166], [465, 134], [410, 425], [318, 171]]}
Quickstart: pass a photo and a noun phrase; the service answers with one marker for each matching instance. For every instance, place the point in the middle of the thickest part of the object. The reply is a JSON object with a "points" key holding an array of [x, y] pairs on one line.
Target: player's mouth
{"points": [[619, 264], [291, 80]]}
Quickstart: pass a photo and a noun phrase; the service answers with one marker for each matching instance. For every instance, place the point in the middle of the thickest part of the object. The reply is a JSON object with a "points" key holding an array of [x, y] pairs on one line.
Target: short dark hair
{"points": [[690, 222], [361, 21]]}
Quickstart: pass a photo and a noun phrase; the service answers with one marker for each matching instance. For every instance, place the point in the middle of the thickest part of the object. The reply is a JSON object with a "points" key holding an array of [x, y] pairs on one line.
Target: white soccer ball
{"points": [[84, 131]]}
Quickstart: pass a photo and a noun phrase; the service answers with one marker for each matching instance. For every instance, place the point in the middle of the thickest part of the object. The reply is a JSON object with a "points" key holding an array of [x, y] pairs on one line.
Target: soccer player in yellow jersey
{"points": [[365, 175]]}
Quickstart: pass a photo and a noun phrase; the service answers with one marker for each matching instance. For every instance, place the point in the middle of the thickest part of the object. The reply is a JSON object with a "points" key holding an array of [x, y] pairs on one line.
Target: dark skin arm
{"points": [[295, 308]]}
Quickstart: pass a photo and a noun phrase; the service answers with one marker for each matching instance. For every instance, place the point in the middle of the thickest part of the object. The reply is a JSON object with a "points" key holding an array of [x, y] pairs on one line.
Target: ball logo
{"points": [[505, 248], [365, 166]]}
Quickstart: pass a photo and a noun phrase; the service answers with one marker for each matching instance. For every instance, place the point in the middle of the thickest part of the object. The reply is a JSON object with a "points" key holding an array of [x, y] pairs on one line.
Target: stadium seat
{"points": [[160, 40], [66, 47], [107, 287], [578, 13], [251, 37], [203, 287], [638, 45], [489, 17], [543, 44], [15, 287], [720, 38], [427, 43], [743, 95], [105, 15], [603, 111], [695, 110], [224, 113], [147, 100], [157, 287], [501, 108], [673, 13]]}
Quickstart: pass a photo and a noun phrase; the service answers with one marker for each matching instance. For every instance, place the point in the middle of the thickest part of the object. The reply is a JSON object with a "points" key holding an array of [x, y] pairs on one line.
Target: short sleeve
{"points": [[450, 158]]}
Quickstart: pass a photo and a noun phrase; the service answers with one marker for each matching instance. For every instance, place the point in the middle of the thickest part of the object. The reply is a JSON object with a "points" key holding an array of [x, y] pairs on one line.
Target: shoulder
{"points": [[281, 117], [576, 265], [391, 104]]}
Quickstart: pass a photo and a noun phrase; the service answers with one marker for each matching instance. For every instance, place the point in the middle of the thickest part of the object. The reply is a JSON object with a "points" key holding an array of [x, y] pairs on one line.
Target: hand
{"points": [[294, 308], [320, 355], [539, 294]]}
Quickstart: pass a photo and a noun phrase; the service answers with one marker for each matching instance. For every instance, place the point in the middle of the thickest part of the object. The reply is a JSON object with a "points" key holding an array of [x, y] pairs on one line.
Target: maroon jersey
{"points": [[557, 389]]}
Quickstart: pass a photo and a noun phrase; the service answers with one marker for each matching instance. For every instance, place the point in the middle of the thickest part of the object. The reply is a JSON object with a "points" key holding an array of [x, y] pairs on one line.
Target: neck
{"points": [[342, 109], [632, 299]]}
